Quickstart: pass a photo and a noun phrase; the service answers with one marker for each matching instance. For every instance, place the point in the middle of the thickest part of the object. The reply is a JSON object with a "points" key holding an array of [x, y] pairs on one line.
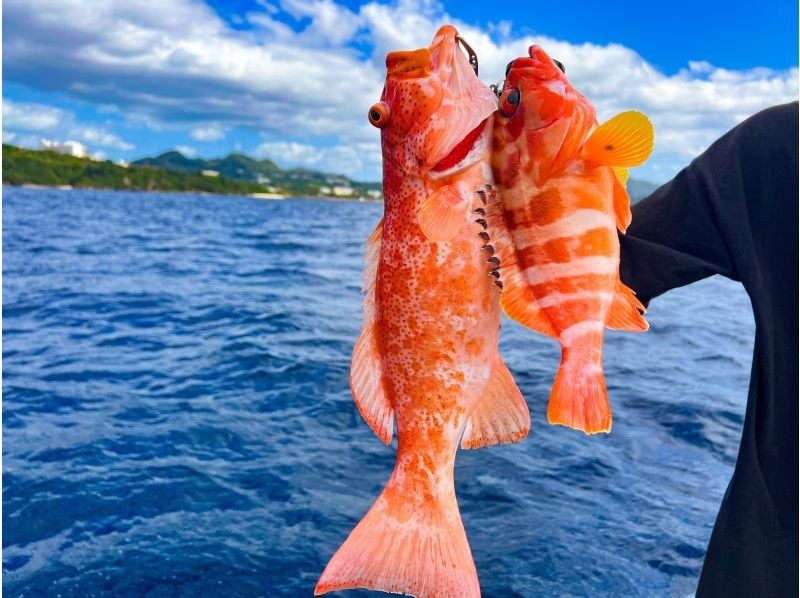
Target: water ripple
{"points": [[178, 422]]}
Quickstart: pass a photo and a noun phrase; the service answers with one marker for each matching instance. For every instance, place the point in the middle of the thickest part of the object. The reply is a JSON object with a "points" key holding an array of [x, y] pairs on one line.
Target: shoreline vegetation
{"points": [[236, 174]]}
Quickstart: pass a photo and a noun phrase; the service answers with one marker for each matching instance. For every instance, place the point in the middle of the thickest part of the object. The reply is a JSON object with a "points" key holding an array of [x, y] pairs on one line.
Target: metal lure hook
{"points": [[473, 58]]}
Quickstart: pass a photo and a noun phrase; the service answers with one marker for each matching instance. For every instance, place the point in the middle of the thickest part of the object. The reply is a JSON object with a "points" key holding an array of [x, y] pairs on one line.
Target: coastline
{"points": [[261, 196]]}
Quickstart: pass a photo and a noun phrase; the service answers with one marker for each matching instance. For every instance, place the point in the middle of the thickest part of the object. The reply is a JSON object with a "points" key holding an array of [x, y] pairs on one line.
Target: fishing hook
{"points": [[473, 58]]}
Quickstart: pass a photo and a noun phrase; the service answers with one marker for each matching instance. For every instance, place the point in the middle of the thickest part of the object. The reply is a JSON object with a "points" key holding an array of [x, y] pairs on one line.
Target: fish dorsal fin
{"points": [[366, 370], [501, 416], [444, 213], [374, 237], [622, 205], [626, 140]]}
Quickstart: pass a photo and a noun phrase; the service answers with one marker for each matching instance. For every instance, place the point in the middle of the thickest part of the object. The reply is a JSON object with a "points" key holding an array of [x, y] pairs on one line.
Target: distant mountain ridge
{"points": [[23, 166], [235, 173], [241, 167], [638, 190], [295, 181]]}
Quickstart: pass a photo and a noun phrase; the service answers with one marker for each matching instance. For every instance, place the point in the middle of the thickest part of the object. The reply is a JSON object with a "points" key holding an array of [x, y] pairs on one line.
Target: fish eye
{"points": [[560, 65], [379, 115], [509, 101]]}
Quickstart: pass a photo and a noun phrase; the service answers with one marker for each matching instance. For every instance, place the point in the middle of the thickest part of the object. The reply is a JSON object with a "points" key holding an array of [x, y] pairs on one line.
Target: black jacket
{"points": [[734, 211]]}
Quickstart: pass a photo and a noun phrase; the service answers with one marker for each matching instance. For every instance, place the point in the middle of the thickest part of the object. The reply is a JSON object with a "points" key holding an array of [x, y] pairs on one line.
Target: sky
{"points": [[292, 80]]}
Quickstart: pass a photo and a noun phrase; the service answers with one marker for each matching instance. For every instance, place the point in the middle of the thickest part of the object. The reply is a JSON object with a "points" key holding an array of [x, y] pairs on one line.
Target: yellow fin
{"points": [[626, 311], [622, 206], [621, 174], [502, 415], [626, 140], [366, 371], [444, 213]]}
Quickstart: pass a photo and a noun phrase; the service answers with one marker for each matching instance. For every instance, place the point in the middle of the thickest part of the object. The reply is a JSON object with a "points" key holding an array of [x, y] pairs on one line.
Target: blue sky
{"points": [[292, 79]]}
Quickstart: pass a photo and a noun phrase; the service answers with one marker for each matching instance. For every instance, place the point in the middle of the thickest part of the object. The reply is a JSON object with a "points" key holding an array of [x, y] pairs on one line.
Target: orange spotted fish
{"points": [[427, 355], [561, 181]]}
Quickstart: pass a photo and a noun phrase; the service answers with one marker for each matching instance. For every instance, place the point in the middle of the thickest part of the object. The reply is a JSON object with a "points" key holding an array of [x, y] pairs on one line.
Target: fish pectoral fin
{"points": [[621, 174], [444, 213], [502, 415], [625, 140], [622, 206], [366, 371], [626, 311]]}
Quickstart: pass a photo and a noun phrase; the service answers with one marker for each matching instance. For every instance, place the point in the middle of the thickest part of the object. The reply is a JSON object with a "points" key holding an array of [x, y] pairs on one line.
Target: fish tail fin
{"points": [[406, 546], [579, 398]]}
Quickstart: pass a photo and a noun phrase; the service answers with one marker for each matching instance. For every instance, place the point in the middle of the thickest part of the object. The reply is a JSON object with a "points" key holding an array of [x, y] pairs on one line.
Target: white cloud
{"points": [[212, 132], [341, 159], [330, 22], [187, 150], [8, 136], [30, 117], [177, 63], [97, 136], [41, 118]]}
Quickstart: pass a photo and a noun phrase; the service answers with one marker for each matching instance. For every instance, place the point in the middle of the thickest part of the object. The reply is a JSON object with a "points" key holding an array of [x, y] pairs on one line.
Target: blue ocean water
{"points": [[177, 418]]}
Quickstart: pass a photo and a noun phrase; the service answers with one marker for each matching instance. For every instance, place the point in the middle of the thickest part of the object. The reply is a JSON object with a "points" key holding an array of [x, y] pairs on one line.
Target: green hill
{"points": [[22, 166], [238, 166], [297, 181], [172, 171]]}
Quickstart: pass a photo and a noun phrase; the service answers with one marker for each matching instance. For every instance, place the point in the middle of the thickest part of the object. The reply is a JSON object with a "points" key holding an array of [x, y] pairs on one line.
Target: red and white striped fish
{"points": [[561, 181]]}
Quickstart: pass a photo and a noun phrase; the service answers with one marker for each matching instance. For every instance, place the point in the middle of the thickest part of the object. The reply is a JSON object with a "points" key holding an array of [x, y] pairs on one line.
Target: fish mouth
{"points": [[466, 105], [458, 155]]}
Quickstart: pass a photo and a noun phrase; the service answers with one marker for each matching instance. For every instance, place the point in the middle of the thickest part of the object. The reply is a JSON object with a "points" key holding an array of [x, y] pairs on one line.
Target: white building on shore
{"points": [[69, 147], [343, 191]]}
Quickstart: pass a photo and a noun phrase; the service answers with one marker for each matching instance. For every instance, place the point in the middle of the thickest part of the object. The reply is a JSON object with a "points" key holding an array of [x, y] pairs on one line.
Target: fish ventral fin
{"points": [[502, 415], [625, 141], [444, 213], [366, 371], [626, 311]]}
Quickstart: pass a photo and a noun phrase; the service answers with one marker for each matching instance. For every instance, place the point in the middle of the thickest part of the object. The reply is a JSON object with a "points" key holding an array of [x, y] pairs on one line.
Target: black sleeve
{"points": [[723, 214], [675, 237]]}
